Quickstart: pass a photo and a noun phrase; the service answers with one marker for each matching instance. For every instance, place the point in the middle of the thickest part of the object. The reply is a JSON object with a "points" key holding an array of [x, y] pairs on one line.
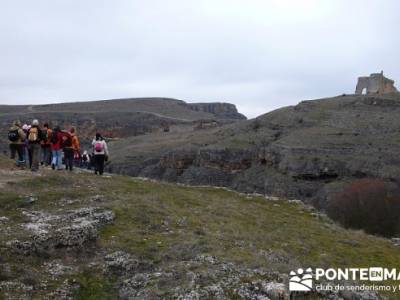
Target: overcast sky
{"points": [[257, 54]]}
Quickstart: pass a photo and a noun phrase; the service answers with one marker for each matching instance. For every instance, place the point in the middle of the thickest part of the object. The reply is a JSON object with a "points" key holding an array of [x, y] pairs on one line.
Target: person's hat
{"points": [[35, 123]]}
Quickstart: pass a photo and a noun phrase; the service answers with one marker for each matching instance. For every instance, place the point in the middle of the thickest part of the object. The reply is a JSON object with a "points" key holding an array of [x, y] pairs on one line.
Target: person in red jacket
{"points": [[56, 149], [66, 145]]}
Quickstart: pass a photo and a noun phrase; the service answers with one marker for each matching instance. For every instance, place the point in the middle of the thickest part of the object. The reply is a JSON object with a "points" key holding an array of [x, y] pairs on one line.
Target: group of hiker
{"points": [[34, 145]]}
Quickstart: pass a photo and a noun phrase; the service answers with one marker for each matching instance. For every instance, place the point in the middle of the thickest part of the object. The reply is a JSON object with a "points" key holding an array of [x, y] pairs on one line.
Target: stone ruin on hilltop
{"points": [[376, 83]]}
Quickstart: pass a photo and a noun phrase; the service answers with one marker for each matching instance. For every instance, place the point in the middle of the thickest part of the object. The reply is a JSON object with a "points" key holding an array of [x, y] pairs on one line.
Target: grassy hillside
{"points": [[308, 151], [167, 107], [168, 229]]}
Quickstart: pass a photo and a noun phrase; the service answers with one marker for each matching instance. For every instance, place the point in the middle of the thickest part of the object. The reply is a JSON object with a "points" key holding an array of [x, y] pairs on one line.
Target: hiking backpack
{"points": [[66, 141], [13, 135], [33, 134], [54, 136], [98, 146], [45, 135]]}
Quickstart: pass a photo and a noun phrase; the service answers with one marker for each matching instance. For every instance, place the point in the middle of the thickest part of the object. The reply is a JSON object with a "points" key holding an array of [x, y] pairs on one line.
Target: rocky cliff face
{"points": [[306, 151], [220, 110]]}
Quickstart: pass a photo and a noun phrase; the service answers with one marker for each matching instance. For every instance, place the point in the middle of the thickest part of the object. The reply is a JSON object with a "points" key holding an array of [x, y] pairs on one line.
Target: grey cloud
{"points": [[257, 54]]}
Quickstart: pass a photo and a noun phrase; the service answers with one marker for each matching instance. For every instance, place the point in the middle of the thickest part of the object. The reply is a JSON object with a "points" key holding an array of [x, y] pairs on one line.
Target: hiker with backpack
{"points": [[75, 147], [25, 146], [100, 152], [56, 150], [67, 146], [46, 145], [34, 138], [16, 136]]}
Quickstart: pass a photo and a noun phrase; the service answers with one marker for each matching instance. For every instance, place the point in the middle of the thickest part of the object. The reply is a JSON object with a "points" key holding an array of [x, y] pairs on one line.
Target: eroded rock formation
{"points": [[220, 110]]}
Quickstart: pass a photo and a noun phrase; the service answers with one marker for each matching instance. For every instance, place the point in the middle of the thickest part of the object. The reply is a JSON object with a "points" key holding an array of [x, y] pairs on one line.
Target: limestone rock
{"points": [[120, 263], [71, 229]]}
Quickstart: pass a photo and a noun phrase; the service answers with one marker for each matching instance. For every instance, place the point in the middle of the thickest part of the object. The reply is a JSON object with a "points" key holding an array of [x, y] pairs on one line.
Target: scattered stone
{"points": [[31, 199], [207, 259], [56, 268], [74, 228], [98, 198], [15, 290], [182, 222], [274, 256], [317, 215], [261, 289], [4, 219], [133, 288], [396, 241], [120, 263], [65, 201], [20, 247], [296, 201], [275, 290], [272, 198], [65, 292]]}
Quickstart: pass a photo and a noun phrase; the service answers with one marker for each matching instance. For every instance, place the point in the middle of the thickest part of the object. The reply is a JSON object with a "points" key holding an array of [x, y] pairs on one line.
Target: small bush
{"points": [[366, 204]]}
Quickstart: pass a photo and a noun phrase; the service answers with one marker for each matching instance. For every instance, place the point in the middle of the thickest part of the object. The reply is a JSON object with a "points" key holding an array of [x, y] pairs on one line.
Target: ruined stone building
{"points": [[376, 83]]}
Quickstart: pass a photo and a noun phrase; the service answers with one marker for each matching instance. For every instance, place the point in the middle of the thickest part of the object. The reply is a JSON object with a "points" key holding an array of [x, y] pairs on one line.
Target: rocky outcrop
{"points": [[220, 110], [202, 277], [207, 277], [73, 229]]}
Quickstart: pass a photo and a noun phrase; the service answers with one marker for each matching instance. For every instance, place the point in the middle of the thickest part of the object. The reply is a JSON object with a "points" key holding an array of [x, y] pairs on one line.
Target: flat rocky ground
{"points": [[80, 236]]}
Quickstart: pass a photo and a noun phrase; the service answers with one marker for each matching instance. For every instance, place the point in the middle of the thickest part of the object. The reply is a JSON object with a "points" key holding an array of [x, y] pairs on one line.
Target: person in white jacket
{"points": [[100, 151]]}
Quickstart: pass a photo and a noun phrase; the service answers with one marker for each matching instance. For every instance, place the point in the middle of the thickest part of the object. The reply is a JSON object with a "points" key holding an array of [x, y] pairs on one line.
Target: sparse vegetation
{"points": [[162, 224], [94, 286], [366, 204]]}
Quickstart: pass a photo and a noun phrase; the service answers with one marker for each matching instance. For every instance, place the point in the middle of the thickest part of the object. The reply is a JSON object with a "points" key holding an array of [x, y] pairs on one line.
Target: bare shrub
{"points": [[366, 204]]}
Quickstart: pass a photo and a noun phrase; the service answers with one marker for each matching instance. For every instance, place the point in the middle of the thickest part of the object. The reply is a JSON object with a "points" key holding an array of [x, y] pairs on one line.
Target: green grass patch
{"points": [[12, 201], [40, 183], [94, 286]]}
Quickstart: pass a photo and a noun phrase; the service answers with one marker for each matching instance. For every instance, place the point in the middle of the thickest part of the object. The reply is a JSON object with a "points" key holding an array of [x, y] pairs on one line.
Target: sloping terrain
{"points": [[81, 236], [307, 151], [167, 107], [121, 117]]}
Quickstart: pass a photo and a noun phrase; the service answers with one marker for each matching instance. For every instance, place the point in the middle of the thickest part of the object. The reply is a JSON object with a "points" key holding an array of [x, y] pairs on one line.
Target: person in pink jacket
{"points": [[100, 151]]}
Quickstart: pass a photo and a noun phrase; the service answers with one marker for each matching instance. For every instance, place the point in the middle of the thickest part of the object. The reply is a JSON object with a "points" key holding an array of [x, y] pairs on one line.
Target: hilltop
{"points": [[121, 117], [308, 151], [90, 237], [167, 107]]}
